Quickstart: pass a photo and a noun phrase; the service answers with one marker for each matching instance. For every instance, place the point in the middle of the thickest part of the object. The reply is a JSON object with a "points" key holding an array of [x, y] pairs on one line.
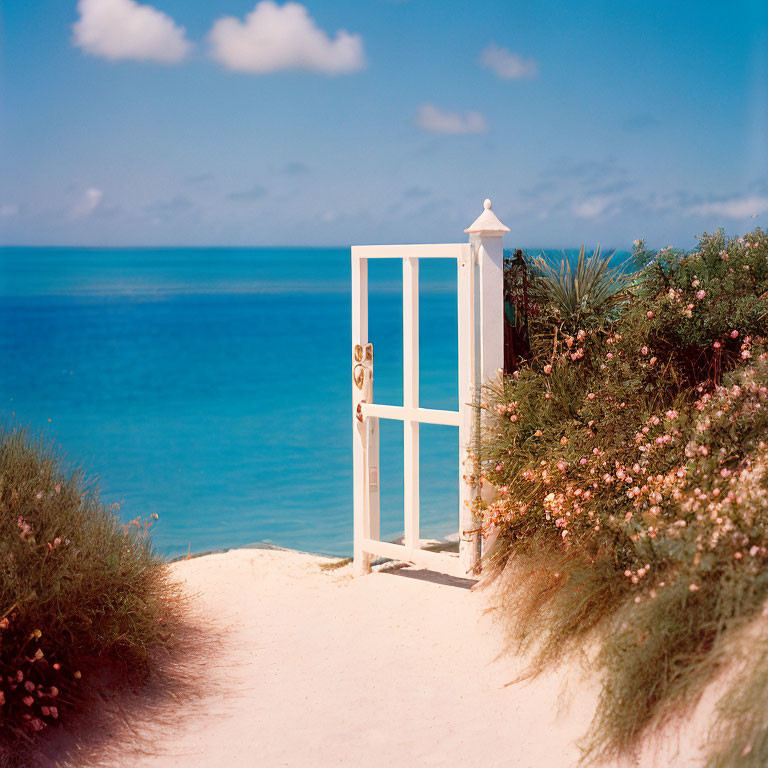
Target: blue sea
{"points": [[213, 386]]}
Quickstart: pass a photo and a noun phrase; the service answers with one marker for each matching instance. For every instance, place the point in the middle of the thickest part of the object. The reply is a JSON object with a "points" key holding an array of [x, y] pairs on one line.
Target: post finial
{"points": [[487, 223]]}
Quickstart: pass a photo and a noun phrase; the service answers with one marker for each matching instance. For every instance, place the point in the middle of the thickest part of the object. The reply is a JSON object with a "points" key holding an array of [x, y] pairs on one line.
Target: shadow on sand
{"points": [[122, 716], [422, 574]]}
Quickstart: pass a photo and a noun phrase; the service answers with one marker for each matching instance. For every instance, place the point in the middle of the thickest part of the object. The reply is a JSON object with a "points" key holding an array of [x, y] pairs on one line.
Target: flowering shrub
{"points": [[79, 593], [631, 463]]}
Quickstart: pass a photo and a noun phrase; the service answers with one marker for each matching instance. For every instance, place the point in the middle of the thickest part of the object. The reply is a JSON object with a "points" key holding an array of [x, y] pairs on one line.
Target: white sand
{"points": [[318, 668]]}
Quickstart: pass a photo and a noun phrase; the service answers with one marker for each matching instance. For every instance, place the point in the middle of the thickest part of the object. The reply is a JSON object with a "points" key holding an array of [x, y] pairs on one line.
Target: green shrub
{"points": [[631, 457], [79, 592]]}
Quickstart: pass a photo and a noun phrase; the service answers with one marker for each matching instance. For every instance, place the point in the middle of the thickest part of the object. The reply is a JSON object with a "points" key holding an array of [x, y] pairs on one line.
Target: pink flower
{"points": [[591, 395], [701, 294], [693, 587], [609, 356], [644, 350], [28, 701], [734, 334], [547, 369], [717, 345]]}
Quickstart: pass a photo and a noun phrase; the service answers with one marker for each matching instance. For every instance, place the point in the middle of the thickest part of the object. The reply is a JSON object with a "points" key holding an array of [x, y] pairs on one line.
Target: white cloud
{"points": [[275, 38], [88, 203], [592, 207], [9, 210], [733, 208], [508, 65], [124, 29], [436, 120]]}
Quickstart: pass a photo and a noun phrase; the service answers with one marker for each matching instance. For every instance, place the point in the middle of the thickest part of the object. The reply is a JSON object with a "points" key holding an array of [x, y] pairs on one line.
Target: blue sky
{"points": [[226, 122]]}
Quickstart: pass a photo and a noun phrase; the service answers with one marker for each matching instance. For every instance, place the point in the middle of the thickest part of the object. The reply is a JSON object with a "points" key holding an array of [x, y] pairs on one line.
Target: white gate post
{"points": [[485, 235]]}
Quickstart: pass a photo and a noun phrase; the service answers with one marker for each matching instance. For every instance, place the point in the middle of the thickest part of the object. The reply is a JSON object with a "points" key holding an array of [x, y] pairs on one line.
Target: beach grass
{"points": [[82, 595]]}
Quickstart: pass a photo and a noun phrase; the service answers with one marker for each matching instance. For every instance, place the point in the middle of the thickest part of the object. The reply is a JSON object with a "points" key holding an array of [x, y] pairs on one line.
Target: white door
{"points": [[366, 412]]}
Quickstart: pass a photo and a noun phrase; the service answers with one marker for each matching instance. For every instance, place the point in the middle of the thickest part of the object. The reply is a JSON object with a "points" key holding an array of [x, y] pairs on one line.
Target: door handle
{"points": [[358, 375]]}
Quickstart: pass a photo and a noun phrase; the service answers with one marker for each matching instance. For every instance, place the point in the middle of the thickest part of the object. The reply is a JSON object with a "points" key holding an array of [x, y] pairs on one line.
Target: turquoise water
{"points": [[212, 386]]}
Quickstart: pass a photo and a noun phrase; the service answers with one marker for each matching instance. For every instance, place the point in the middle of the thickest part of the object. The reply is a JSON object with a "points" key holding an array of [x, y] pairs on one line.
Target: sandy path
{"points": [[324, 669]]}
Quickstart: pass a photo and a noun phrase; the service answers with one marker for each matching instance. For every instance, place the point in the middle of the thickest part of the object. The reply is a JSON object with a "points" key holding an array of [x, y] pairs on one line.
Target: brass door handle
{"points": [[358, 375], [363, 352]]}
